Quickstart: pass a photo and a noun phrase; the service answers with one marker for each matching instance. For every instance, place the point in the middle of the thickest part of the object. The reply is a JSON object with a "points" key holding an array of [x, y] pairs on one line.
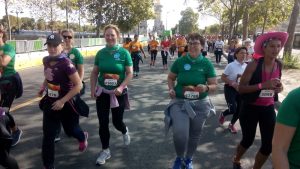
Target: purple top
{"points": [[56, 75]]}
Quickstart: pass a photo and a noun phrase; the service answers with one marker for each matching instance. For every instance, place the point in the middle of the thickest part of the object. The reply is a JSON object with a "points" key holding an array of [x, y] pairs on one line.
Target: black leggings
{"points": [[250, 115], [233, 102], [6, 160], [103, 107], [153, 55], [136, 61], [218, 56], [164, 56]]}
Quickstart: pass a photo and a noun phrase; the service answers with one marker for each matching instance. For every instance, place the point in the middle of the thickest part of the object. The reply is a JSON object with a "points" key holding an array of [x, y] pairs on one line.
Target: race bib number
{"points": [[219, 49], [53, 93], [110, 82], [266, 93], [191, 95]]}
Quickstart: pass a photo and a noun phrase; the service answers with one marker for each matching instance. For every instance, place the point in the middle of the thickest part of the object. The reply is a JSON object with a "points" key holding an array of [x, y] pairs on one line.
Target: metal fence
{"points": [[24, 46]]}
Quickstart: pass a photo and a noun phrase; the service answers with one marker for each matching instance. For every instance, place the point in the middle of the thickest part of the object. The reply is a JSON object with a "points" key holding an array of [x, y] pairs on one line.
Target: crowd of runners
{"points": [[252, 83]]}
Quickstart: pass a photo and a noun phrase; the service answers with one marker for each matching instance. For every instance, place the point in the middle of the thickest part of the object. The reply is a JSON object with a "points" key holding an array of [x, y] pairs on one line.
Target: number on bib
{"points": [[266, 93], [110, 82], [191, 95]]}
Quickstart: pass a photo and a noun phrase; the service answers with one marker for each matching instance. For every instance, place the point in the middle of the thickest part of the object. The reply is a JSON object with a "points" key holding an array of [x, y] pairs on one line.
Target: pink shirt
{"points": [[260, 101]]}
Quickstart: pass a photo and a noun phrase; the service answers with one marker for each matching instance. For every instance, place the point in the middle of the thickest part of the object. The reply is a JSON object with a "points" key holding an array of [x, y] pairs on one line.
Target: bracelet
{"points": [[259, 86], [207, 88]]}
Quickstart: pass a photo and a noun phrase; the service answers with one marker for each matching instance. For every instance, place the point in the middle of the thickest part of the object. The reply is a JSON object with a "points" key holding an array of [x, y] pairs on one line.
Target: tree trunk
{"points": [[291, 29], [265, 21], [8, 21], [245, 23]]}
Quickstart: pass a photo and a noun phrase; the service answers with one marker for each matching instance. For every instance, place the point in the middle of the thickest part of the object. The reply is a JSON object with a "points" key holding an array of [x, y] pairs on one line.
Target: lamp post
{"points": [[17, 12]]}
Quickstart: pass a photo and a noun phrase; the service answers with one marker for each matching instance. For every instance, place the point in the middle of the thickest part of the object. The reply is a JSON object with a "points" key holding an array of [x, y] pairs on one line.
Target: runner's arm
{"points": [[282, 138], [4, 60], [129, 75], [211, 84], [80, 70]]}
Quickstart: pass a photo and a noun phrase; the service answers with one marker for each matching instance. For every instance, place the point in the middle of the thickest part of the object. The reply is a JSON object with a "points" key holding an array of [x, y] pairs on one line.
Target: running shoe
{"points": [[236, 165], [126, 137], [84, 144], [177, 163], [188, 163], [103, 156], [221, 119], [16, 136], [232, 129]]}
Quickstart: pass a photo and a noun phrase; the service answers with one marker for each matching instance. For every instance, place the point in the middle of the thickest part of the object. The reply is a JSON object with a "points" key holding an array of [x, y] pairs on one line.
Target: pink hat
{"points": [[256, 56], [258, 47]]}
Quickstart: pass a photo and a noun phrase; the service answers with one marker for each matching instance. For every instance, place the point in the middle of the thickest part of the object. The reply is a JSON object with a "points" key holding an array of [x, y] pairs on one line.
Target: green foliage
{"points": [[291, 61], [188, 22], [213, 29]]}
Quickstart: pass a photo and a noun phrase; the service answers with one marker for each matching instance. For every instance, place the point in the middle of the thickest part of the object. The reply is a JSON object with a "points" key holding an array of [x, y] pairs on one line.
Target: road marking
{"points": [[31, 101]]}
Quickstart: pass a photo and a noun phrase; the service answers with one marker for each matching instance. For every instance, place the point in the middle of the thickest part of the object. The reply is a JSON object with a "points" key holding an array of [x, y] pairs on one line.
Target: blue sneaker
{"points": [[177, 163], [188, 163]]}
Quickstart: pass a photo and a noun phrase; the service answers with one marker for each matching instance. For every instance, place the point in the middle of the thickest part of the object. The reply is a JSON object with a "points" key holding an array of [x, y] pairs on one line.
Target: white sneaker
{"points": [[103, 156], [126, 137]]}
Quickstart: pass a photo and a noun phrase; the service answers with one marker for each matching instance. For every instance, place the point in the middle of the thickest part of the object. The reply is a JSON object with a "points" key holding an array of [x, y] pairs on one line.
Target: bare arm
{"points": [[245, 79], [282, 138], [142, 50], [4, 60], [212, 84], [171, 84], [59, 104], [80, 70], [93, 78], [129, 75]]}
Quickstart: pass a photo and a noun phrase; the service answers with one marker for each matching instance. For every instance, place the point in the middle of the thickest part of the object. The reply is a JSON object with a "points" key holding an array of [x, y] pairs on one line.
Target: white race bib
{"points": [[267, 93], [53, 93], [191, 95], [219, 49], [110, 82]]}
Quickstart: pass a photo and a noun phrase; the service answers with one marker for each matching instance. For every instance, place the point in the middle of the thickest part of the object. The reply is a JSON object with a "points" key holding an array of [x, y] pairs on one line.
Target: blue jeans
{"points": [[51, 123]]}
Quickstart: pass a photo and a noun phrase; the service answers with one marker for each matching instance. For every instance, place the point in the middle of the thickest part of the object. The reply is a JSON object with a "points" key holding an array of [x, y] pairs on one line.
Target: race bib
{"points": [[110, 82], [53, 90], [191, 95], [53, 93], [219, 49], [266, 93]]}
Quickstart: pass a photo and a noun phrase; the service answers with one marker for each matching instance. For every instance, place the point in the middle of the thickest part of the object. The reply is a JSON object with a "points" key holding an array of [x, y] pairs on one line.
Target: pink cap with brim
{"points": [[256, 56], [258, 47]]}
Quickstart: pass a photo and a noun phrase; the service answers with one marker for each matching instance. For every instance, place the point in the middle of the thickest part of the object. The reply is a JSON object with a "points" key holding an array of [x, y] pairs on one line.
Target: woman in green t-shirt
{"points": [[194, 76], [10, 83], [110, 76]]}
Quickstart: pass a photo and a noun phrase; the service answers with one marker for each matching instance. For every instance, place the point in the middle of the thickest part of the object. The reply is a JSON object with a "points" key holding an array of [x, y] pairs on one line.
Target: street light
{"points": [[17, 12]]}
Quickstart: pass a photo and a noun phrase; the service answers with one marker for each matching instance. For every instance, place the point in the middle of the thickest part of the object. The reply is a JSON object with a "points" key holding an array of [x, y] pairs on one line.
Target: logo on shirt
{"points": [[187, 67], [117, 56], [72, 56]]}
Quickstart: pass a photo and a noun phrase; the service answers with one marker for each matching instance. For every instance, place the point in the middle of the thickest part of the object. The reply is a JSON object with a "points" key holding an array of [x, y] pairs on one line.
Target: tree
{"points": [[41, 24], [188, 22], [27, 23], [291, 29]]}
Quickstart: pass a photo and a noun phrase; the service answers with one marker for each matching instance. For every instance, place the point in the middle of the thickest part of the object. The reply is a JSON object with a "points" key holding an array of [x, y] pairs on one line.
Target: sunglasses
{"points": [[67, 37]]}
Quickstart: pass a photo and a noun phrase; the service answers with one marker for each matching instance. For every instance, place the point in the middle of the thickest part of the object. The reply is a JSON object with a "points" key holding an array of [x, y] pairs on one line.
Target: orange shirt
{"points": [[153, 45], [180, 43], [126, 46], [135, 46]]}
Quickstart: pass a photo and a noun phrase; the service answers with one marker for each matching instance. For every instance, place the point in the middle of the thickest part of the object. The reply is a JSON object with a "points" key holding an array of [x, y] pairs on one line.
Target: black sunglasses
{"points": [[69, 37]]}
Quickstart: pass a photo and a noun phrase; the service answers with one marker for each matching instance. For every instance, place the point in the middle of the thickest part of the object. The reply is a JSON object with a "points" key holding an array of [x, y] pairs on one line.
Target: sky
{"points": [[172, 8]]}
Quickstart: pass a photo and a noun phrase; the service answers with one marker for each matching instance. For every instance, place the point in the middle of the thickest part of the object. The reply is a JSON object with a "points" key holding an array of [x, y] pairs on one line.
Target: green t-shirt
{"points": [[112, 62], [192, 72], [9, 69], [289, 114], [75, 56]]}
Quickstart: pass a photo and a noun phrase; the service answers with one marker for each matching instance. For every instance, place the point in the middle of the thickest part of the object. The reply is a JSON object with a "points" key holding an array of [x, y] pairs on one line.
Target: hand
{"points": [[144, 56], [279, 88], [172, 93], [93, 92], [118, 91], [201, 88], [271, 84], [58, 105], [40, 93]]}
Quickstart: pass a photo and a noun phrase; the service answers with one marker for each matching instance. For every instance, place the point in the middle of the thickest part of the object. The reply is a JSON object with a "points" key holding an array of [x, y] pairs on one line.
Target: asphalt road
{"points": [[149, 148]]}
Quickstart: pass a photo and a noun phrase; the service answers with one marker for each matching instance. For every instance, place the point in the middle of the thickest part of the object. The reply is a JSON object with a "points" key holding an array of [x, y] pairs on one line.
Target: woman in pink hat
{"points": [[258, 86]]}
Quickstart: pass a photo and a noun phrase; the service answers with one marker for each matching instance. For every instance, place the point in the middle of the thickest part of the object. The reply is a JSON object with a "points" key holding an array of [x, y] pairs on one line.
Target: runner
{"points": [[173, 47], [180, 44], [63, 83], [7, 161], [136, 48], [165, 47], [110, 76], [285, 149], [231, 50], [190, 106], [248, 45], [153, 44], [10, 83], [126, 45], [205, 48], [231, 75], [219, 48], [259, 85]]}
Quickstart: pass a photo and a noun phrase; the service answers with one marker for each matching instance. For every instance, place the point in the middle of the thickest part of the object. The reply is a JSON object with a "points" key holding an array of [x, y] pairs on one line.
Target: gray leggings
{"points": [[186, 131]]}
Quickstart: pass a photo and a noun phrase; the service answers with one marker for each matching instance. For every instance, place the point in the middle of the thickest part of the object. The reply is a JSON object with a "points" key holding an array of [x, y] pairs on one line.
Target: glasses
{"points": [[194, 43], [67, 37]]}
